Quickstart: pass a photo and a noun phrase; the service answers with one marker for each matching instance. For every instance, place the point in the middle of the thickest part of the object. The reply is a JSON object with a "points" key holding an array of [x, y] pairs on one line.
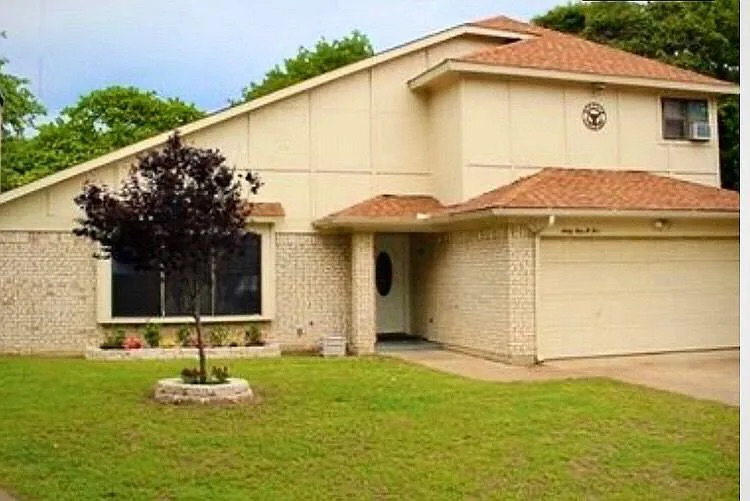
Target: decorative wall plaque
{"points": [[594, 115]]}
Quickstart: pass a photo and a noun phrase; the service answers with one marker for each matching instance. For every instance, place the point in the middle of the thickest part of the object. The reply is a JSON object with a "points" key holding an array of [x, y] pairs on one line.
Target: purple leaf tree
{"points": [[179, 209]]}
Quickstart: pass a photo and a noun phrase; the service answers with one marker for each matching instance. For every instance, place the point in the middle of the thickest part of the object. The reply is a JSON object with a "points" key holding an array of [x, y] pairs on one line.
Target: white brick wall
{"points": [[470, 289], [47, 293], [474, 290], [362, 336], [313, 288]]}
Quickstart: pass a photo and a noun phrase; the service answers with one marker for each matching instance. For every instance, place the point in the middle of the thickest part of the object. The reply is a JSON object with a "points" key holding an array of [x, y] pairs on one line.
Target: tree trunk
{"points": [[199, 339]]}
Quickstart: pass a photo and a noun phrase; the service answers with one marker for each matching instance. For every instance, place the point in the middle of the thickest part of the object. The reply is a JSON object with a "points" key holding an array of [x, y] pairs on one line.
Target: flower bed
{"points": [[175, 391], [223, 352]]}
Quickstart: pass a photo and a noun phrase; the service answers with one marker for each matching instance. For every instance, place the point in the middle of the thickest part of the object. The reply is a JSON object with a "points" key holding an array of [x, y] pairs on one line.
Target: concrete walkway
{"points": [[709, 375]]}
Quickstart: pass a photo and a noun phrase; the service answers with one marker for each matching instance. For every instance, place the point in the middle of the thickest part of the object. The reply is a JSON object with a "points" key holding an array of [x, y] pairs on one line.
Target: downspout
{"points": [[537, 246]]}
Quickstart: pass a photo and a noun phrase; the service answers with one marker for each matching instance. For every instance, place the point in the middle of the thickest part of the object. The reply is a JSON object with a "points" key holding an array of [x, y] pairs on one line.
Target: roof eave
{"points": [[443, 70], [617, 213]]}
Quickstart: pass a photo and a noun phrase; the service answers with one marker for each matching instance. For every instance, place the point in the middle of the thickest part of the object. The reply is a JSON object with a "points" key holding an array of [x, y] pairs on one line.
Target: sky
{"points": [[204, 51]]}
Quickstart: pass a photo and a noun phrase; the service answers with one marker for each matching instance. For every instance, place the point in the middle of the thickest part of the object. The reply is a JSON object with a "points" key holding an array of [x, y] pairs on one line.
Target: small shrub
{"points": [[132, 343], [114, 340], [220, 374], [218, 336], [190, 375], [183, 336], [152, 335], [253, 336]]}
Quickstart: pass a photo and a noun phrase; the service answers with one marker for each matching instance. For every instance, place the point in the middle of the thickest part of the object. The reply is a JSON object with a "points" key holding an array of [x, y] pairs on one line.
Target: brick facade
{"points": [[362, 335], [313, 288], [47, 293], [471, 290], [474, 290]]}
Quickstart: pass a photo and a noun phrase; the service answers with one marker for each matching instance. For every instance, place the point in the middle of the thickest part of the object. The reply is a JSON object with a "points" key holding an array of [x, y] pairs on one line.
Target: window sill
{"points": [[184, 320], [687, 142]]}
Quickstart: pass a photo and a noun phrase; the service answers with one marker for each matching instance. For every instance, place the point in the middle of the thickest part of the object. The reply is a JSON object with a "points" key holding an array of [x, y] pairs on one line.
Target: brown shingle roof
{"points": [[392, 206], [507, 24], [603, 189], [264, 209], [552, 50], [557, 188]]}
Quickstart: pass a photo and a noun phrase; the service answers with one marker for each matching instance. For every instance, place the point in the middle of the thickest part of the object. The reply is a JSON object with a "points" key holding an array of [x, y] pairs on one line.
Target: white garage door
{"points": [[617, 296]]}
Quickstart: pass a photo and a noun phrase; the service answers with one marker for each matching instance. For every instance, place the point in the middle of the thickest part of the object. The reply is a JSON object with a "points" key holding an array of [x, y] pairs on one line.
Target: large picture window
{"points": [[234, 288]]}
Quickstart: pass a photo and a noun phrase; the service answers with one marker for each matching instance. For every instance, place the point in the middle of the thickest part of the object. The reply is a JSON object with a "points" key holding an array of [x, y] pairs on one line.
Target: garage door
{"points": [[618, 296]]}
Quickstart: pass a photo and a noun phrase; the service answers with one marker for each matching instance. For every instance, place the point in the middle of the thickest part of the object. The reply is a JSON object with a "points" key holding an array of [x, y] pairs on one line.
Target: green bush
{"points": [[184, 337], [190, 375], [152, 335], [220, 374], [253, 336], [218, 336], [113, 340]]}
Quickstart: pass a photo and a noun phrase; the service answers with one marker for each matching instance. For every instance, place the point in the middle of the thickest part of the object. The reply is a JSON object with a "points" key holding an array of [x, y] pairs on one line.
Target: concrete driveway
{"points": [[710, 375]]}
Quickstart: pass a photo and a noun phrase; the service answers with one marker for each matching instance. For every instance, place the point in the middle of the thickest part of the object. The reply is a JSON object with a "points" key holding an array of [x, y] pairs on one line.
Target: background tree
{"points": [[325, 57], [98, 123], [179, 210], [20, 112], [700, 36]]}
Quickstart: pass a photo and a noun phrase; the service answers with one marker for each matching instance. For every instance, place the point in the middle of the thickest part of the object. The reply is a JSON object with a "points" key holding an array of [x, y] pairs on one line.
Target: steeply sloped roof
{"points": [[552, 50]]}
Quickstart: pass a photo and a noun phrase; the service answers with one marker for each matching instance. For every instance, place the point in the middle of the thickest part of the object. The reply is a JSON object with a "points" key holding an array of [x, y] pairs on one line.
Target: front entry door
{"points": [[392, 282]]}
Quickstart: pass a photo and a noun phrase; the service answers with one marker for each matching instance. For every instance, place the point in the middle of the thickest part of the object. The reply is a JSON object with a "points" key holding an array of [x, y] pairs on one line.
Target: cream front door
{"points": [[392, 282]]}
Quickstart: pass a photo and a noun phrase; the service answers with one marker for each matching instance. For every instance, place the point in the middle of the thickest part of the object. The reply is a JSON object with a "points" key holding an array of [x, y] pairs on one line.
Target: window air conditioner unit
{"points": [[700, 131]]}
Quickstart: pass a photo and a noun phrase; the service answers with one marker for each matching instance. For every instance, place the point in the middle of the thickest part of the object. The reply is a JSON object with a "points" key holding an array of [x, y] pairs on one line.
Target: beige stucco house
{"points": [[495, 187]]}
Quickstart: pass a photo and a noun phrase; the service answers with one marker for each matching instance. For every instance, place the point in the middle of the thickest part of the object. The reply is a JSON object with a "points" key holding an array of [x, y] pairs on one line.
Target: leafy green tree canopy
{"points": [[21, 107], [99, 122], [325, 57], [700, 36]]}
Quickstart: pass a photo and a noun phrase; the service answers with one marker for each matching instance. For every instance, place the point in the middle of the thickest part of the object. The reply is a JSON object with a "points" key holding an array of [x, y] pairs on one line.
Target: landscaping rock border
{"points": [[174, 391], [222, 352]]}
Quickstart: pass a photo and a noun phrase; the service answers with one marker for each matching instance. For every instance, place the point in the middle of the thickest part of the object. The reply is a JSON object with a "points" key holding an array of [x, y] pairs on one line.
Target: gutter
{"points": [[436, 222]]}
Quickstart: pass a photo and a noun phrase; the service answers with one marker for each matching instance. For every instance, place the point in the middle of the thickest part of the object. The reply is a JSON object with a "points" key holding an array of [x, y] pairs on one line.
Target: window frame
{"points": [[685, 139], [267, 290]]}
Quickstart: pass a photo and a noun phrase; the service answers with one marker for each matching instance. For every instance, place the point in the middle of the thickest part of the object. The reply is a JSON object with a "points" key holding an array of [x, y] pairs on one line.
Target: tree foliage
{"points": [[21, 108], [99, 122], [325, 57], [700, 36], [180, 209]]}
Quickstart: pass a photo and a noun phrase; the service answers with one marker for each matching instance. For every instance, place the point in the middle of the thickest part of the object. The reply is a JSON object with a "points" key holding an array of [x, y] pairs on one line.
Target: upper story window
{"points": [[234, 288], [685, 118]]}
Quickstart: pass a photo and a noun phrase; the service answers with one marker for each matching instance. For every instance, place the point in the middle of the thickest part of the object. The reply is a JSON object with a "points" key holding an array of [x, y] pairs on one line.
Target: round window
{"points": [[383, 273]]}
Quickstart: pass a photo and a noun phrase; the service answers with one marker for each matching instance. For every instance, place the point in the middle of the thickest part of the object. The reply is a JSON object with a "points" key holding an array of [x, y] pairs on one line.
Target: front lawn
{"points": [[366, 428]]}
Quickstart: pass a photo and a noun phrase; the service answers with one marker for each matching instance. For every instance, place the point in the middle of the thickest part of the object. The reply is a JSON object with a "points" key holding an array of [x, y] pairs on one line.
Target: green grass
{"points": [[367, 428]]}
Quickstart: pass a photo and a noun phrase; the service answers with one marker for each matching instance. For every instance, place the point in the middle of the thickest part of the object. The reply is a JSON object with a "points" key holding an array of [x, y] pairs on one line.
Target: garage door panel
{"points": [[594, 278], [623, 250], [614, 296]]}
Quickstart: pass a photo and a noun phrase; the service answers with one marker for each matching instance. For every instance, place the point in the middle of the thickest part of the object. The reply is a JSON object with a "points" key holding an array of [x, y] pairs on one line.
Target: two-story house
{"points": [[495, 187]]}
